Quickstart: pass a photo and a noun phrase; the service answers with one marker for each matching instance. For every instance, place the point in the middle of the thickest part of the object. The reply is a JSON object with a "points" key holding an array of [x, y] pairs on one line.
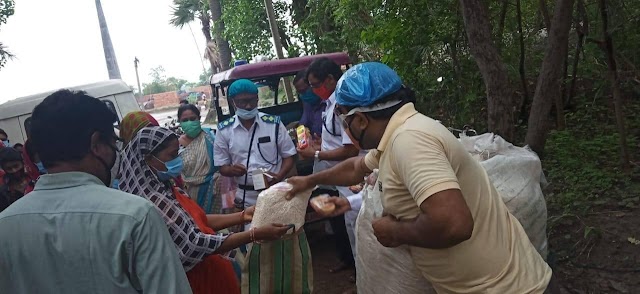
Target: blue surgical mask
{"points": [[115, 184], [6, 143], [247, 114], [310, 97], [174, 168], [41, 168]]}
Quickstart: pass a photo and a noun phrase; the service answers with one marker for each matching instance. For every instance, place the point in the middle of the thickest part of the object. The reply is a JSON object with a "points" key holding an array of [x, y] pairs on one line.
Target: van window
{"points": [[27, 126], [112, 107]]}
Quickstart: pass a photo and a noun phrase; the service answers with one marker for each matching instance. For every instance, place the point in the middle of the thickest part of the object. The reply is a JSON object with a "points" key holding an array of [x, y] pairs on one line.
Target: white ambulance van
{"points": [[116, 94]]}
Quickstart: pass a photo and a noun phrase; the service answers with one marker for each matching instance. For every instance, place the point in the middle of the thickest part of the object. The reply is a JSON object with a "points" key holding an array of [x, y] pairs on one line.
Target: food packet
{"points": [[303, 137], [321, 205], [273, 207]]}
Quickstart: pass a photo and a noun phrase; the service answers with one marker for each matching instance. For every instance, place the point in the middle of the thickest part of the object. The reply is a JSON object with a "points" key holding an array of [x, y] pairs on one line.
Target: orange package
{"points": [[303, 137]]}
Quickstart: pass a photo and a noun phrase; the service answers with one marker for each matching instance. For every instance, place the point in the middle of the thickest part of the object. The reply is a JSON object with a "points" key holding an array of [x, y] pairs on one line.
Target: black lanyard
{"points": [[246, 176], [333, 125]]}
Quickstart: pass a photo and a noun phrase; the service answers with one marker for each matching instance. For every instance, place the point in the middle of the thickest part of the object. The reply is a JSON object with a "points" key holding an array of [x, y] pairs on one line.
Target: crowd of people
{"points": [[88, 211]]}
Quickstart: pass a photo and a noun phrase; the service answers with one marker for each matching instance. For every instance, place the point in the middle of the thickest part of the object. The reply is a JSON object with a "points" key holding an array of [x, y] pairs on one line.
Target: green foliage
{"points": [[247, 28], [161, 83], [7, 8], [186, 11], [204, 78], [582, 162]]}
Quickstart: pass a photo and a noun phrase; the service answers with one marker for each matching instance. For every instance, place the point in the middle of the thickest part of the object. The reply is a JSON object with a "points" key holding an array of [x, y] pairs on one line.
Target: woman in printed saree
{"points": [[149, 163], [199, 172]]}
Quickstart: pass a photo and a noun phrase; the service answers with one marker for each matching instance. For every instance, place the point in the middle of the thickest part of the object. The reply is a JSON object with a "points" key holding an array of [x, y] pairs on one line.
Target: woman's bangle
{"points": [[252, 234]]}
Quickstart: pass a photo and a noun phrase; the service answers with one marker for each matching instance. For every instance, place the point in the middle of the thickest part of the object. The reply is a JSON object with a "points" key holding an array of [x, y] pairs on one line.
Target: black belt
{"points": [[247, 187]]}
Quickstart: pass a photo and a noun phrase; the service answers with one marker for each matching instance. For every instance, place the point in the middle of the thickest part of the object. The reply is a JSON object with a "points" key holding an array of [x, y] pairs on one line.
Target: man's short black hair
{"points": [[186, 107], [9, 154], [62, 126], [2, 132], [301, 75], [321, 68], [16, 145]]}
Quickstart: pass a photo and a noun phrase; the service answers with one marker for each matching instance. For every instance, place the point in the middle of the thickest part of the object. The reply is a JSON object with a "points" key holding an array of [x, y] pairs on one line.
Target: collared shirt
{"points": [[267, 151], [312, 116], [333, 137], [74, 235], [498, 258]]}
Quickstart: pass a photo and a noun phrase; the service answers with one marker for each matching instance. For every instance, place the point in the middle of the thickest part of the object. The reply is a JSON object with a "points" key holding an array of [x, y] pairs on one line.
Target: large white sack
{"points": [[273, 207], [517, 175], [380, 269]]}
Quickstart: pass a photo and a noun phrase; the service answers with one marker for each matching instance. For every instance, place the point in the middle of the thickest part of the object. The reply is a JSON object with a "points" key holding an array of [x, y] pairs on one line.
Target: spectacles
{"points": [[246, 103], [318, 84], [343, 117]]}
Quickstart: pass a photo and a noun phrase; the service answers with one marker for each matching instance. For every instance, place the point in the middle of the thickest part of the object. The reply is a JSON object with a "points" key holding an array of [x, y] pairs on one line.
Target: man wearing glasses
{"points": [[250, 142], [323, 75]]}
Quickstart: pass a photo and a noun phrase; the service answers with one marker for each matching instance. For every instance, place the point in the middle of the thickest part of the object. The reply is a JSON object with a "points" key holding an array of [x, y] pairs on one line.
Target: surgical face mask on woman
{"points": [[174, 168], [247, 114], [191, 128]]}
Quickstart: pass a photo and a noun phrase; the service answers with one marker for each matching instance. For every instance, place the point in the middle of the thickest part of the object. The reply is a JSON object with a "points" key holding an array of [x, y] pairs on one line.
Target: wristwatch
{"points": [[317, 155]]}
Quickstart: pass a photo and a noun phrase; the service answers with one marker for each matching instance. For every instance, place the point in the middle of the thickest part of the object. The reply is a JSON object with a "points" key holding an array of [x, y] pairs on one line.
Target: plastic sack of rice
{"points": [[516, 173], [273, 207]]}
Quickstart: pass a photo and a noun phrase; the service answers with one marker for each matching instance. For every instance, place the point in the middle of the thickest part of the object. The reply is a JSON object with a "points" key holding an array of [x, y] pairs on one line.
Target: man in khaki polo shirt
{"points": [[438, 200]]}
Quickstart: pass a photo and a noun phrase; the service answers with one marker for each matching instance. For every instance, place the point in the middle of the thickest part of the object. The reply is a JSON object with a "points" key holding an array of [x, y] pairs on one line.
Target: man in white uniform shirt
{"points": [[251, 140], [323, 75]]}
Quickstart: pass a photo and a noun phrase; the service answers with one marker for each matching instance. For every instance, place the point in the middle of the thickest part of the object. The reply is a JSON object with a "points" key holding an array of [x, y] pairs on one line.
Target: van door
{"points": [[23, 125]]}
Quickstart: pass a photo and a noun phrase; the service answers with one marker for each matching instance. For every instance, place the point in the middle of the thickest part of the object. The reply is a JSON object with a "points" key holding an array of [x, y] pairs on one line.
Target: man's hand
{"points": [[341, 203], [299, 184], [236, 170], [273, 178], [316, 142], [383, 229], [307, 153], [248, 214]]}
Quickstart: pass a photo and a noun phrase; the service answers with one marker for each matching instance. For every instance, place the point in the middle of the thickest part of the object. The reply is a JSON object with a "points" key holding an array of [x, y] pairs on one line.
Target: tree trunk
{"points": [[582, 29], [503, 16], [494, 73], [107, 46], [559, 103], [544, 10], [218, 31], [548, 85], [615, 86], [522, 69]]}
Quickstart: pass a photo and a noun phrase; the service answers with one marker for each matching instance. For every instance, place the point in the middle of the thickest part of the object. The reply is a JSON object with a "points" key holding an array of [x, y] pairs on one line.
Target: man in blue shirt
{"points": [[73, 234], [312, 105]]}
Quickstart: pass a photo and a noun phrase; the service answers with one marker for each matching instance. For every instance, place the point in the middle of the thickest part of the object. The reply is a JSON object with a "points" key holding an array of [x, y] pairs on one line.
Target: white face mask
{"points": [[247, 114]]}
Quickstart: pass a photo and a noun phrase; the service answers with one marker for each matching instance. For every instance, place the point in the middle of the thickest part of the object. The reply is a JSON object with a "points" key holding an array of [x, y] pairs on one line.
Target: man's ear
{"points": [[94, 146], [362, 120]]}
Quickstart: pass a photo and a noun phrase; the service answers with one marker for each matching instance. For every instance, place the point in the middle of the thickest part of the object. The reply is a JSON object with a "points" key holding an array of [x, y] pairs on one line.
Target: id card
{"points": [[259, 180]]}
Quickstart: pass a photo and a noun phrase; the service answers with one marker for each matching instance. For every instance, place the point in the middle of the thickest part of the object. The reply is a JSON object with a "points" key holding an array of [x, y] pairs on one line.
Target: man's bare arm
{"points": [[445, 221]]}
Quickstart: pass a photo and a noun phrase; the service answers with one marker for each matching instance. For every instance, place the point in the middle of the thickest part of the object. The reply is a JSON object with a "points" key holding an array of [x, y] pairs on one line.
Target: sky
{"points": [[58, 44]]}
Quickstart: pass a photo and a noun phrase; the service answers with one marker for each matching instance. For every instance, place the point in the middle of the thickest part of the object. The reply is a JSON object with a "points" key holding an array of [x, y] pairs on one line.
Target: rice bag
{"points": [[273, 207]]}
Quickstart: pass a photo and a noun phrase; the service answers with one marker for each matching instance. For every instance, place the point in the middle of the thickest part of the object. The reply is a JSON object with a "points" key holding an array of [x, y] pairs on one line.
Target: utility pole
{"points": [[109, 54], [135, 63], [277, 41]]}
